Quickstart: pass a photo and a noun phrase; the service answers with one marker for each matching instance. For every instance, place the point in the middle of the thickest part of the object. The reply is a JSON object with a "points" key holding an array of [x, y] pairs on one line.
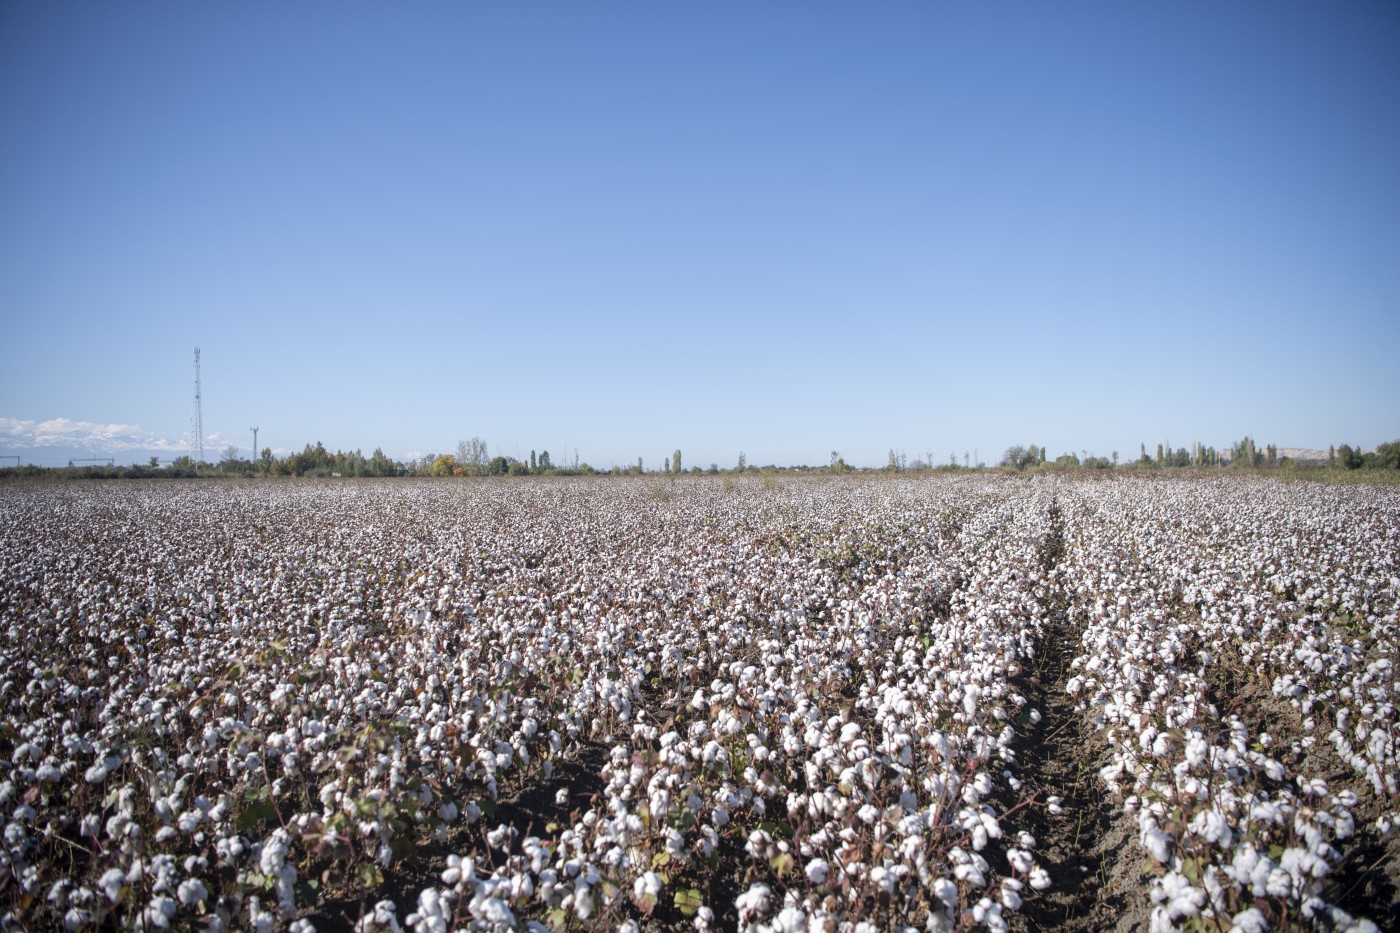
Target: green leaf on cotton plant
{"points": [[255, 815], [689, 901]]}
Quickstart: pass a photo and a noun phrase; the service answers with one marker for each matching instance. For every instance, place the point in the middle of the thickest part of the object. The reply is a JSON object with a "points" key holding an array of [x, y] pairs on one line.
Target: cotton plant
{"points": [[812, 685], [1235, 827]]}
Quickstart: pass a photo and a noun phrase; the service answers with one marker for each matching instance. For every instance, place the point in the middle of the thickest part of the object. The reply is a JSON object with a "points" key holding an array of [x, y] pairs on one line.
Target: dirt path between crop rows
{"points": [[1083, 843]]}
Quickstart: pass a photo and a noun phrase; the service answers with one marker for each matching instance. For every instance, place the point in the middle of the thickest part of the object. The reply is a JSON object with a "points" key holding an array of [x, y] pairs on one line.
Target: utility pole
{"points": [[197, 419], [255, 443]]}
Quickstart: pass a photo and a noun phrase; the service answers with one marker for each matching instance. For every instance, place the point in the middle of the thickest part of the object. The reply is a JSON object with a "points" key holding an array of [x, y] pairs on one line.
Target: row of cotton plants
{"points": [[1192, 594], [252, 707]]}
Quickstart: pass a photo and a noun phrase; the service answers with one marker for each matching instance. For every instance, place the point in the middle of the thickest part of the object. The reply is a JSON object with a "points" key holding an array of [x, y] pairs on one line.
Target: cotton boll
{"points": [[193, 891]]}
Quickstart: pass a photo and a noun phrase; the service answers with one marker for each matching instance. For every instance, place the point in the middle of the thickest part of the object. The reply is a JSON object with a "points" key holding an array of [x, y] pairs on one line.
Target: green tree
{"points": [[544, 463], [676, 461], [442, 466], [743, 463], [473, 456], [380, 465]]}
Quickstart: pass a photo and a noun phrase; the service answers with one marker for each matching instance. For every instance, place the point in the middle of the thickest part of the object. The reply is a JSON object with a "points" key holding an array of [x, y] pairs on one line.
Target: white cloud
{"points": [[65, 432]]}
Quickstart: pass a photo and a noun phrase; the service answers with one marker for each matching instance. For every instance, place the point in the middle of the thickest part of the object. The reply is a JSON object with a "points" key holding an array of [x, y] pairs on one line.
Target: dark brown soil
{"points": [[1087, 848]]}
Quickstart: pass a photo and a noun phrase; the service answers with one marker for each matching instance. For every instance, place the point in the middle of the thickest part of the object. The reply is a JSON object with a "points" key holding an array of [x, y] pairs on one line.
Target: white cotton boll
{"points": [[753, 902], [817, 870], [970, 873], [1035, 716], [1177, 894], [790, 920], [988, 914], [274, 852], [704, 918], [883, 878], [1039, 879], [971, 695], [1157, 843], [75, 918], [383, 919], [1211, 826], [947, 892], [1249, 921], [1019, 859], [286, 891], [111, 883], [495, 912], [1196, 748], [192, 891], [1053, 804], [583, 901], [647, 885]]}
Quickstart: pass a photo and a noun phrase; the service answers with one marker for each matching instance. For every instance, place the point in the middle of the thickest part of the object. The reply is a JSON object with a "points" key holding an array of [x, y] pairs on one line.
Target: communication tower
{"points": [[197, 420]]}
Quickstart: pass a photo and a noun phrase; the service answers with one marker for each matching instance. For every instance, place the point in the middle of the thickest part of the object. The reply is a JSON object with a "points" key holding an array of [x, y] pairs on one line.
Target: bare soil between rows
{"points": [[1087, 847], [1084, 843]]}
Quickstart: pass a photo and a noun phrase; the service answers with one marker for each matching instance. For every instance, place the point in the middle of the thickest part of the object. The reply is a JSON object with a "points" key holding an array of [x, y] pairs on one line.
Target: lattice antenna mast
{"points": [[197, 421]]}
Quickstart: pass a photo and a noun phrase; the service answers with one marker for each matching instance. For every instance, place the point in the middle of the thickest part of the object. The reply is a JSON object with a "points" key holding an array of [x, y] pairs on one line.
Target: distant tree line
{"points": [[1384, 457], [472, 458]]}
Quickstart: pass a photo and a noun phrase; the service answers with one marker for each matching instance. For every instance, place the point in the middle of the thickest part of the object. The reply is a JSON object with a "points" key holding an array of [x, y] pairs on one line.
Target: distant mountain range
{"points": [[56, 441], [1303, 454]]}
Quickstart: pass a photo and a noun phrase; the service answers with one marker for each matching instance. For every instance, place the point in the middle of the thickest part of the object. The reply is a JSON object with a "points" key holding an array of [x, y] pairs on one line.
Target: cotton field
{"points": [[816, 703]]}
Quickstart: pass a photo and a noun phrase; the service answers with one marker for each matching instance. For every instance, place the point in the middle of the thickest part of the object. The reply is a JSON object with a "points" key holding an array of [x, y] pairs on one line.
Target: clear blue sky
{"points": [[629, 227]]}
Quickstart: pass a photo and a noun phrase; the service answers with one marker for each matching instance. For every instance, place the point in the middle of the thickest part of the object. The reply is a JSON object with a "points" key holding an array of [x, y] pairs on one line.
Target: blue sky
{"points": [[626, 228]]}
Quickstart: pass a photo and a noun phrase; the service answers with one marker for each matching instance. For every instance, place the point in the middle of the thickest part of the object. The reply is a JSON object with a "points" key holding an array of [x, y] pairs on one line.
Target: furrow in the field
{"points": [[1082, 840]]}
